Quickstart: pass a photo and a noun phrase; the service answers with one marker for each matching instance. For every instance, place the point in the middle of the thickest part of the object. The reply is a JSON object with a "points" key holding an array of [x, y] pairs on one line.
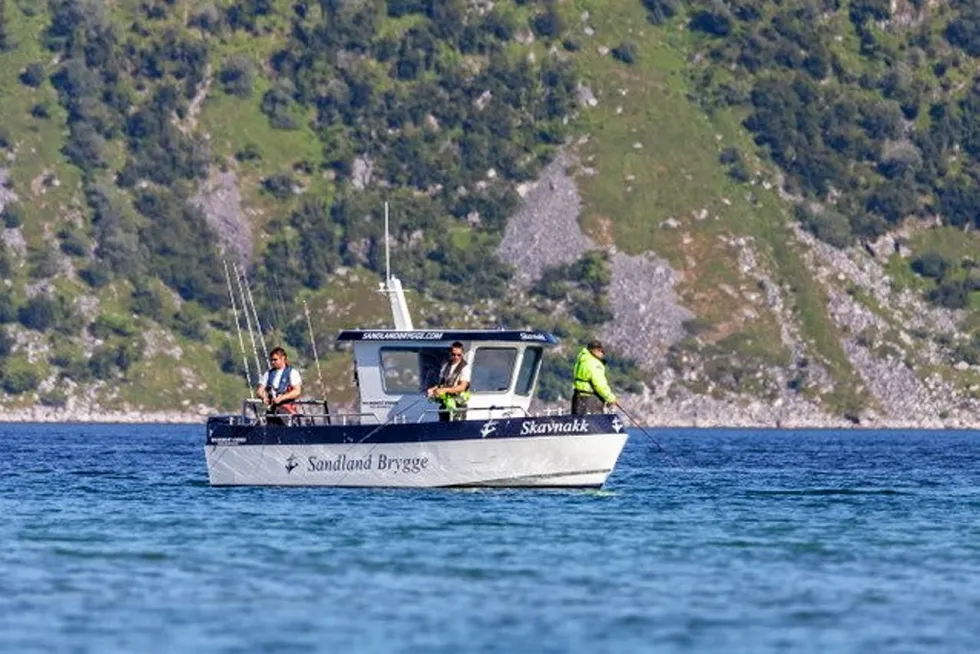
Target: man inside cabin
{"points": [[591, 391], [453, 389], [280, 386]]}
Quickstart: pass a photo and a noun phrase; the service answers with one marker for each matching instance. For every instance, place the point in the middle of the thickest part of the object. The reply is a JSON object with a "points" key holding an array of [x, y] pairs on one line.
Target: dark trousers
{"points": [[584, 404], [448, 416]]}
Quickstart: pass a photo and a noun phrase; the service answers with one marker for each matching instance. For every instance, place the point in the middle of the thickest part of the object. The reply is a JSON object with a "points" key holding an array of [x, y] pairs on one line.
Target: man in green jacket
{"points": [[592, 392]]}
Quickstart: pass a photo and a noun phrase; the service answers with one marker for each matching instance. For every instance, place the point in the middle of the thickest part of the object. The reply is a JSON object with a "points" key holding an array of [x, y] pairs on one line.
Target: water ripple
{"points": [[762, 541]]}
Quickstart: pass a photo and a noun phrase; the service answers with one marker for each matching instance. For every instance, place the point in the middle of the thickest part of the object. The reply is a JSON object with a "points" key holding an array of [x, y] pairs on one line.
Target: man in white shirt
{"points": [[280, 384], [453, 389]]}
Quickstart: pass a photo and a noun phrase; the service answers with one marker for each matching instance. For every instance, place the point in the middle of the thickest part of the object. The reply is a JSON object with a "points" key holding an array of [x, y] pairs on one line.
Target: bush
{"points": [[41, 111], [660, 11], [147, 301], [33, 75], [968, 351], [250, 152], [12, 216], [827, 225], [54, 399], [279, 186], [950, 294], [19, 376], [717, 22], [39, 313], [548, 24], [237, 76], [8, 310], [228, 361], [42, 262], [97, 275], [625, 52], [931, 264], [108, 324], [6, 343], [102, 363], [207, 18], [72, 242]]}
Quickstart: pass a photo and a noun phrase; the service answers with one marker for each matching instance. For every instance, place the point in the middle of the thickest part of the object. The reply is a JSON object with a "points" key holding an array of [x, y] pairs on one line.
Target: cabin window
{"points": [[493, 368], [528, 371], [410, 369]]}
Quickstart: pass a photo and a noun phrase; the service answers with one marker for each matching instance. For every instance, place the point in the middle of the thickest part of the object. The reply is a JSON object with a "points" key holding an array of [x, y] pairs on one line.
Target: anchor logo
{"points": [[291, 463], [617, 425], [488, 428]]}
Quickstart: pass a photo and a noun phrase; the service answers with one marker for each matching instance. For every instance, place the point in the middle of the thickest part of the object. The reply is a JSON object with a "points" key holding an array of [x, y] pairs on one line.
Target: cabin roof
{"points": [[435, 335]]}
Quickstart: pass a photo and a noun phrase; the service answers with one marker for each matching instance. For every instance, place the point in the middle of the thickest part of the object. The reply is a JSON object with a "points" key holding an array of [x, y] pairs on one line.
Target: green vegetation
{"points": [[116, 114]]}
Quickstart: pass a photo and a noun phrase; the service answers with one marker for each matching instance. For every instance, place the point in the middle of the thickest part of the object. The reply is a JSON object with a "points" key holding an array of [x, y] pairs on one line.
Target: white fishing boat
{"points": [[396, 437]]}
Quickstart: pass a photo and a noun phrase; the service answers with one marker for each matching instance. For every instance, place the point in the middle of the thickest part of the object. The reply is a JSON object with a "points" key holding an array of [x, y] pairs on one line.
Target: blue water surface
{"points": [[754, 541]]}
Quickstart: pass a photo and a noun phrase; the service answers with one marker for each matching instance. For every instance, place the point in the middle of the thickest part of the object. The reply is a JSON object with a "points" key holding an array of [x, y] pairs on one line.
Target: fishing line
{"points": [[645, 433], [374, 431], [316, 357]]}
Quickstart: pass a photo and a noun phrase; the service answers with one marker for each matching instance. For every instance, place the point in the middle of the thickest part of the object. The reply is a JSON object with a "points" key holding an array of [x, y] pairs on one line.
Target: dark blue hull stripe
{"points": [[221, 431]]}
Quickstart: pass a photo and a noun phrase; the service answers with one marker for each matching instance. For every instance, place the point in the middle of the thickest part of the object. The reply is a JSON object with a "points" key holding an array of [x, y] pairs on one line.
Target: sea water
{"points": [[753, 541]]}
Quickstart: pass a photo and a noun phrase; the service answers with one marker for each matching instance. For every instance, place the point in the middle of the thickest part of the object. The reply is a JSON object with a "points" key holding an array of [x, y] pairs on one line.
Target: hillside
{"points": [[767, 209]]}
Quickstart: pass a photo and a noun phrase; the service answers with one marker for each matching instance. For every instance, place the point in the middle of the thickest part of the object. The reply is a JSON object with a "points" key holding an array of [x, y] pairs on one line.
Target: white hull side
{"points": [[537, 461]]}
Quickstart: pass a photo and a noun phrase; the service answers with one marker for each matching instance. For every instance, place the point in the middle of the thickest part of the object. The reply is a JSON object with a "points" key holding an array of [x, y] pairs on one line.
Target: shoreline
{"points": [[46, 416]]}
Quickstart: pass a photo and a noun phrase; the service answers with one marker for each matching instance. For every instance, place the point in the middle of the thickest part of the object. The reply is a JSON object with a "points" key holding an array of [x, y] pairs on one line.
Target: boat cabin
{"points": [[396, 367]]}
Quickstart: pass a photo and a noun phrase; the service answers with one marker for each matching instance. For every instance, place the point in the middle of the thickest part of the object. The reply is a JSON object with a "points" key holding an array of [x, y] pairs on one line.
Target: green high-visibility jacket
{"points": [[590, 376]]}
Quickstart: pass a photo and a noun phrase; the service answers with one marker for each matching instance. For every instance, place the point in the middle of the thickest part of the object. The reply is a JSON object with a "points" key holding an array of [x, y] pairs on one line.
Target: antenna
{"points": [[387, 250], [392, 287]]}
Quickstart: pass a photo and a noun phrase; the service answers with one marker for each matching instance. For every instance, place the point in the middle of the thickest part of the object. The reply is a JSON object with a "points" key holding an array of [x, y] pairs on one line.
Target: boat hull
{"points": [[566, 452]]}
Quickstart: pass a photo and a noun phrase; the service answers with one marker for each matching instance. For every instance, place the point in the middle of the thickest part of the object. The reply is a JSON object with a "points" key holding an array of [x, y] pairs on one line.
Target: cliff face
{"points": [[766, 210]]}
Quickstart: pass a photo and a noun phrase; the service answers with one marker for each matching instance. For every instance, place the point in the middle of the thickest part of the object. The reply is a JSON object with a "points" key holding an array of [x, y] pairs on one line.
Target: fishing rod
{"points": [[255, 314], [643, 431], [238, 327], [248, 320], [319, 372]]}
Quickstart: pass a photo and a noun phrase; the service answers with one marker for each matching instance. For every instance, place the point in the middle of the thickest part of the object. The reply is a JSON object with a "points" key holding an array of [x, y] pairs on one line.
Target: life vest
{"points": [[450, 377], [590, 377], [282, 387]]}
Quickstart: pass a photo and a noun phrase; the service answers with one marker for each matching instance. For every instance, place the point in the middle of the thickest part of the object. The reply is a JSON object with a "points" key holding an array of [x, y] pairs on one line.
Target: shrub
{"points": [[12, 216], [6, 343], [729, 156], [660, 11], [97, 275], [968, 351], [33, 75], [8, 310], [547, 24], [931, 264], [950, 294], [250, 152], [279, 186], [108, 324], [827, 225], [72, 242], [54, 399], [41, 111], [716, 22], [237, 76], [19, 376], [38, 313], [208, 18], [625, 52]]}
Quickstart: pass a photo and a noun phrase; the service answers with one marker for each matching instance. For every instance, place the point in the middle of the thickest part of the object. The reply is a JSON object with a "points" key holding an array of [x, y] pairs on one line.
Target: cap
{"points": [[594, 345]]}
